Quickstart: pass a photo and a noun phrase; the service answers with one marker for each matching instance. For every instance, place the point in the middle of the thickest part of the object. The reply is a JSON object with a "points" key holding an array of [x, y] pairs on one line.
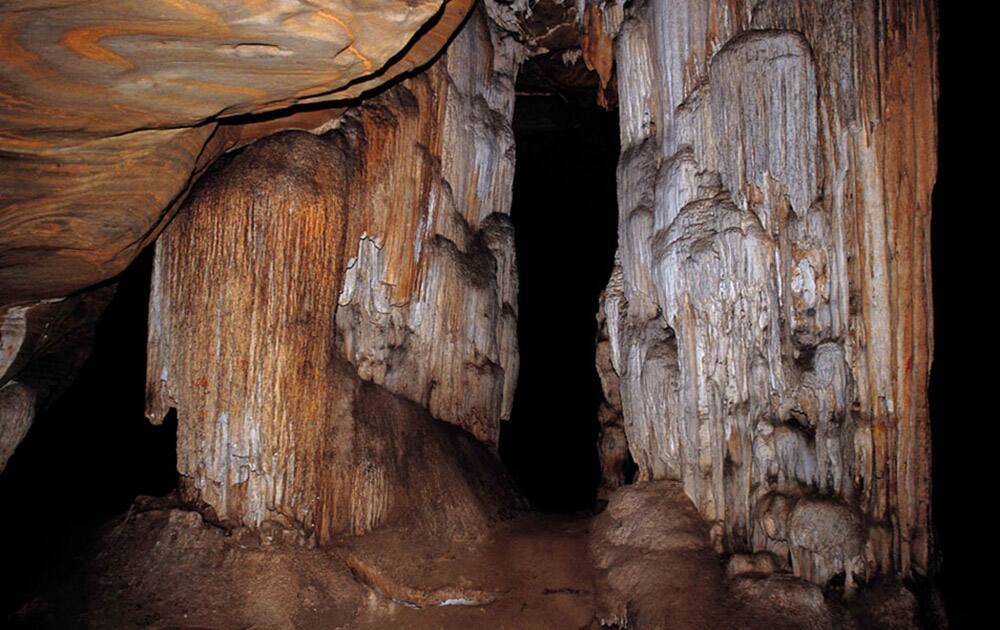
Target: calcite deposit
{"points": [[772, 326], [307, 263], [429, 303]]}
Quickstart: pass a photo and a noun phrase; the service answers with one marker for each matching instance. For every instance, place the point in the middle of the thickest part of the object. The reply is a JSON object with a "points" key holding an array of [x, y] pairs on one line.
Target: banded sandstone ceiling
{"points": [[109, 108]]}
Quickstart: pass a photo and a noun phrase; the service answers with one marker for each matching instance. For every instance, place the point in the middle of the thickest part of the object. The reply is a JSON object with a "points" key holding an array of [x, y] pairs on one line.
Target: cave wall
{"points": [[42, 347], [323, 302], [770, 321]]}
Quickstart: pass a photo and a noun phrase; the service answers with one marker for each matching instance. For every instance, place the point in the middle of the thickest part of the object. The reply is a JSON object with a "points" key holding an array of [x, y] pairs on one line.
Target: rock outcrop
{"points": [[656, 569], [655, 561], [42, 346], [17, 410]]}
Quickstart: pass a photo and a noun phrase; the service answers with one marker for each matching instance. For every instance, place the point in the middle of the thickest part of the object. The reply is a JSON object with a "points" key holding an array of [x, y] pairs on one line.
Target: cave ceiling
{"points": [[110, 109]]}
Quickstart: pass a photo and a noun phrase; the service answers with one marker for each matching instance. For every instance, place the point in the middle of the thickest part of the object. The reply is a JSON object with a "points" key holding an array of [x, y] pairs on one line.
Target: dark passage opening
{"points": [[566, 231], [89, 452], [956, 479]]}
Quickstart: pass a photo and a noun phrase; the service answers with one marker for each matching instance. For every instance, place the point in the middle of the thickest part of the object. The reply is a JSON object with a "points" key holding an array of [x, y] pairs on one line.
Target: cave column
{"points": [[321, 297], [772, 324]]}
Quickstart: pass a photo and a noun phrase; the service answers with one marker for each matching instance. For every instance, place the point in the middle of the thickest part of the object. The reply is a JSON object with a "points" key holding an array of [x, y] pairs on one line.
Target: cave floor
{"points": [[164, 568], [533, 572], [167, 569]]}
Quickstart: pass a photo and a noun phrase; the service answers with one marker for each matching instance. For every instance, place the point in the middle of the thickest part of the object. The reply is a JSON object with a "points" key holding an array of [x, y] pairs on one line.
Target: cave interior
{"points": [[520, 314]]}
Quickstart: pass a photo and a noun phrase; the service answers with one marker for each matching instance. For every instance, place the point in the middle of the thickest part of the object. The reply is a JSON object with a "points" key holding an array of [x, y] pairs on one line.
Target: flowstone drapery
{"points": [[772, 323]]}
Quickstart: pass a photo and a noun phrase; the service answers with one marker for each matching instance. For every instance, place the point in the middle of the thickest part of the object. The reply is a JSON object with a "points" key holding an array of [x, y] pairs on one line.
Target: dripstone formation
{"points": [[771, 328]]}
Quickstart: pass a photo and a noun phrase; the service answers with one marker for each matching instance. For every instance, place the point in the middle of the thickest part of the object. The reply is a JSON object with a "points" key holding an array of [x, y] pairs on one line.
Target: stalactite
{"points": [[429, 305]]}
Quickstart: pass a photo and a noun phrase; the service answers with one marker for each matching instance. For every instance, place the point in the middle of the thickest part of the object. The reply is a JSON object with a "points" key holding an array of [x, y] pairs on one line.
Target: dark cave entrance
{"points": [[565, 218], [90, 451], [951, 467]]}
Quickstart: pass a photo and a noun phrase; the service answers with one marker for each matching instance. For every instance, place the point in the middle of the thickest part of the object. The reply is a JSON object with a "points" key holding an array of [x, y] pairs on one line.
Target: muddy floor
{"points": [[167, 569], [644, 562]]}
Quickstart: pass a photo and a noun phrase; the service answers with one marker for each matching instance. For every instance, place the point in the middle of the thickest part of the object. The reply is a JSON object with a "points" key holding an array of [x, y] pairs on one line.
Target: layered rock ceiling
{"points": [[110, 108], [321, 297]]}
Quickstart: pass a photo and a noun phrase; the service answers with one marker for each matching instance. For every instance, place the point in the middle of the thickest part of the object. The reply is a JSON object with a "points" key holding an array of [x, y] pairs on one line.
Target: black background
{"points": [[86, 457], [957, 465]]}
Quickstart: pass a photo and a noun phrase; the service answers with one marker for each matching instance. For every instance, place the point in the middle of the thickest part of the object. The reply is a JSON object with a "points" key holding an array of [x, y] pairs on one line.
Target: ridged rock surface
{"points": [[771, 325], [274, 427]]}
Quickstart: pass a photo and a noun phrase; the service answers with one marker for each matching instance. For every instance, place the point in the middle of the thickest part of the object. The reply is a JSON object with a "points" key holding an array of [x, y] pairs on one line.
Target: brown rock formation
{"points": [[273, 426], [110, 112]]}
